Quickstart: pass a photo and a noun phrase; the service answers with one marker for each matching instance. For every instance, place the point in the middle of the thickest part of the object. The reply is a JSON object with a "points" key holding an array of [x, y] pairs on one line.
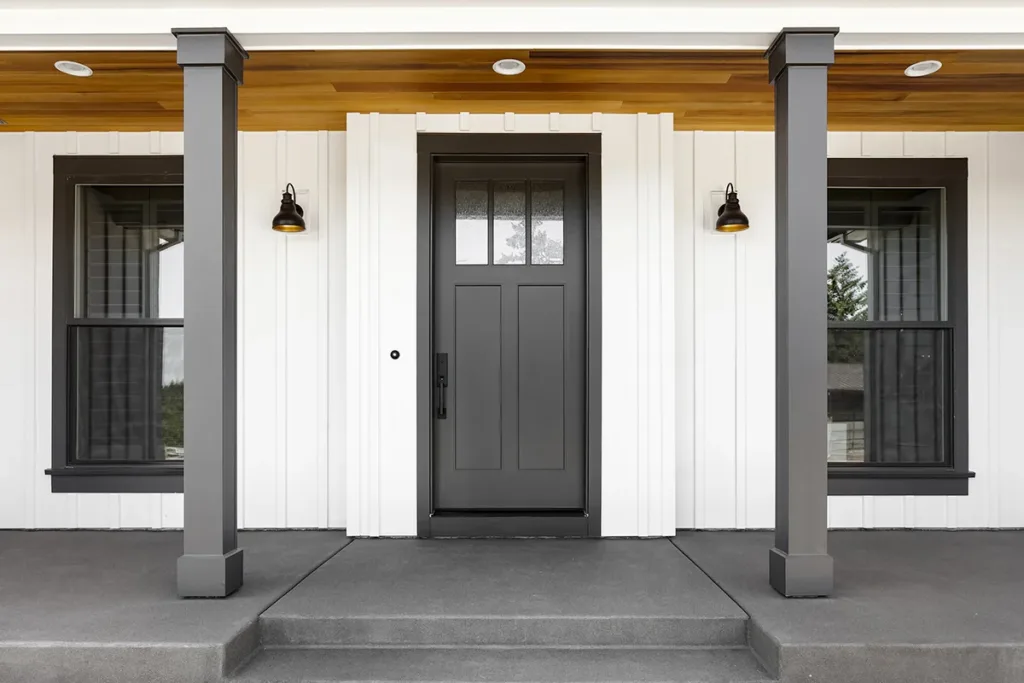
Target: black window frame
{"points": [[949, 174], [70, 172]]}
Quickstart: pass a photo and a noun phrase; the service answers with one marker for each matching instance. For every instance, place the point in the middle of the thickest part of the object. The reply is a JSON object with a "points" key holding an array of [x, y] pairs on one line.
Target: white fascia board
{"points": [[729, 24]]}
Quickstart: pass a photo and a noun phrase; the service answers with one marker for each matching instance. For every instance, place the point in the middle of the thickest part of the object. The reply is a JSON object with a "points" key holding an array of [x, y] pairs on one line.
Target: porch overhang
{"points": [[547, 24]]}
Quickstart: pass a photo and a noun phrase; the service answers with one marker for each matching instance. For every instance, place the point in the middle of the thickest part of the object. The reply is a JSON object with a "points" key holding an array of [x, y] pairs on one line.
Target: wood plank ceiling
{"points": [[313, 90]]}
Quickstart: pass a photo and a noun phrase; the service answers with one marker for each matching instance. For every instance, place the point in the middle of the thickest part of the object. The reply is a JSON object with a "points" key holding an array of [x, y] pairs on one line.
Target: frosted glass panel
{"points": [[510, 222], [547, 210], [470, 223]]}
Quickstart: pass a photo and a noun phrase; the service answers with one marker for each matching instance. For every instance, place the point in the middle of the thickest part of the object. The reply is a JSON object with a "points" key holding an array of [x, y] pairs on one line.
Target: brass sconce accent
{"points": [[730, 217]]}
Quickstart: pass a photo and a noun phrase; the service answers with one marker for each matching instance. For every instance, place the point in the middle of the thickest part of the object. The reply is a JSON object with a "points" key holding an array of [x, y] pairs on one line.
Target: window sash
{"points": [[107, 383], [950, 175]]}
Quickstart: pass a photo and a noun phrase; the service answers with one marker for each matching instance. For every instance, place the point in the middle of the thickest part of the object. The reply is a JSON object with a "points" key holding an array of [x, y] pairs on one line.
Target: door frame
{"points": [[435, 147]]}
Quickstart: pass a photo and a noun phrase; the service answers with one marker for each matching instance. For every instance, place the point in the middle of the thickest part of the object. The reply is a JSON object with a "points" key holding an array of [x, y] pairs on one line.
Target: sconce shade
{"points": [[730, 217], [289, 218]]}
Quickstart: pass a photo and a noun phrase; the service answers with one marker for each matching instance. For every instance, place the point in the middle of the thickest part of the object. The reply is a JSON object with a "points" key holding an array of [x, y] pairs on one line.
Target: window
{"points": [[896, 294], [118, 381], [501, 209]]}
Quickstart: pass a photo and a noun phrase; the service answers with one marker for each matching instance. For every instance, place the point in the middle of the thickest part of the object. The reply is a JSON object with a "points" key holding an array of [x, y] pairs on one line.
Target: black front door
{"points": [[509, 340]]}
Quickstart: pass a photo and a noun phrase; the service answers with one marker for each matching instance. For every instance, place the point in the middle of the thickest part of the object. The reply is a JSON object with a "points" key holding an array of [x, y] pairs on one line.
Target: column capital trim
{"points": [[801, 47], [210, 47]]}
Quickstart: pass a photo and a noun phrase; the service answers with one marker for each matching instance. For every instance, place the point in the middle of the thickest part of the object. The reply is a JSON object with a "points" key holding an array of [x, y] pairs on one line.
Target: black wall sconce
{"points": [[289, 218], [730, 217]]}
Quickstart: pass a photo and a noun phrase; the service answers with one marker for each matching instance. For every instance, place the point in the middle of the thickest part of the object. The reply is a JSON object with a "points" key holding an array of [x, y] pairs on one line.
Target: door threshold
{"points": [[509, 513], [510, 524]]}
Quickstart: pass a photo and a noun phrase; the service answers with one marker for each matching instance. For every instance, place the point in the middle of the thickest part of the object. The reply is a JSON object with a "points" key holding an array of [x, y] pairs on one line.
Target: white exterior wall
{"points": [[295, 332], [291, 442], [725, 328]]}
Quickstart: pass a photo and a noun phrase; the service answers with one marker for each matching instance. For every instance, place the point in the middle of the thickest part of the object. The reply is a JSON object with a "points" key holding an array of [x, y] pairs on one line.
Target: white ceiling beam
{"points": [[729, 24]]}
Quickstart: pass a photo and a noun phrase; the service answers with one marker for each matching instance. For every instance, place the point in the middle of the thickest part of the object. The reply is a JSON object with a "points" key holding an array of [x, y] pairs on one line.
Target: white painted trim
{"points": [[638, 445], [391, 24]]}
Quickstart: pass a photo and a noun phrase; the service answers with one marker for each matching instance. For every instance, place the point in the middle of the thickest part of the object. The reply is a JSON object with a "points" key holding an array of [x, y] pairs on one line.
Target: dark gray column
{"points": [[798, 62], [212, 61]]}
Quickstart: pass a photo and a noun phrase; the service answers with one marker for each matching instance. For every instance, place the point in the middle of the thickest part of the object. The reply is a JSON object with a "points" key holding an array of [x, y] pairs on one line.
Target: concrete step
{"points": [[505, 630], [502, 665]]}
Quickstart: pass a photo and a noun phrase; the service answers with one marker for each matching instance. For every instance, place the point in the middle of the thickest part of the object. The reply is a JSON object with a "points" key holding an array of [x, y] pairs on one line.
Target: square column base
{"points": [[210, 576], [800, 576]]}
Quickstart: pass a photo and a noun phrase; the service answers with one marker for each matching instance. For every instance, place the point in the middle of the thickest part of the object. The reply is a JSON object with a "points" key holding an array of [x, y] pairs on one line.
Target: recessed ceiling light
{"points": [[509, 67], [73, 68], [925, 68]]}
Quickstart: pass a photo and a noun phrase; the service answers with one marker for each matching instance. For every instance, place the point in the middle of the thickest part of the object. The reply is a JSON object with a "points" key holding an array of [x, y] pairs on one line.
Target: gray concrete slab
{"points": [[507, 592], [102, 606], [908, 606], [333, 665]]}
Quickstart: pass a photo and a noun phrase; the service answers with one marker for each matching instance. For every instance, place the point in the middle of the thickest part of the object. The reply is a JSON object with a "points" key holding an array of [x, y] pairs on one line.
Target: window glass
{"points": [[129, 385], [884, 254], [127, 376], [130, 252], [888, 387], [547, 213], [470, 223], [510, 222], [888, 396]]}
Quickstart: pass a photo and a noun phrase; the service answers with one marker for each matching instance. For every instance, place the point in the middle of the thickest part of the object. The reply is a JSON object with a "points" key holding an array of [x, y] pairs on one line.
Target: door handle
{"points": [[441, 382]]}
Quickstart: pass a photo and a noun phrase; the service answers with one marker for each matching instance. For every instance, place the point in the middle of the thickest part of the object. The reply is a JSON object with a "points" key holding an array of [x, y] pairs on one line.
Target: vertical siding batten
{"points": [[684, 331], [740, 385], [666, 312], [396, 237], [321, 478], [240, 471], [337, 344], [620, 317], [755, 182], [1006, 151], [17, 379], [643, 296]]}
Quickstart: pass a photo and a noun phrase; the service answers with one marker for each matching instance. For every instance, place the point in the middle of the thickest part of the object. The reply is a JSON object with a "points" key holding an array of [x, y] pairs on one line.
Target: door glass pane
{"points": [[547, 210], [888, 396], [470, 223], [510, 222], [130, 248], [129, 384], [885, 254]]}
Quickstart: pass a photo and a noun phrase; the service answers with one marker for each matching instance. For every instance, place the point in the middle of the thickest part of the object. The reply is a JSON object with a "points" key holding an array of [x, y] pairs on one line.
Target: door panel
{"points": [[476, 417], [509, 310], [542, 380]]}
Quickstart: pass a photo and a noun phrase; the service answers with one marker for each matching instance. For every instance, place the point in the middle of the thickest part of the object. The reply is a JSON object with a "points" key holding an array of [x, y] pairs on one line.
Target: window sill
{"points": [[117, 479], [897, 481]]}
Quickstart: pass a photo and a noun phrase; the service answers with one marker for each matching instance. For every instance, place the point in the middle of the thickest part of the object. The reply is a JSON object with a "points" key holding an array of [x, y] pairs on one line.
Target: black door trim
{"points": [[433, 147]]}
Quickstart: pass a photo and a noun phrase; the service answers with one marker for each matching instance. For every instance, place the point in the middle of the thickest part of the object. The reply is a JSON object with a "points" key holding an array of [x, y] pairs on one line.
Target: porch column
{"points": [[798, 61], [212, 60]]}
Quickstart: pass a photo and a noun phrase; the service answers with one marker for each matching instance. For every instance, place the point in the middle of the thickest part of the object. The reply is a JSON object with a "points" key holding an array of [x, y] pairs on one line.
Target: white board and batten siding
{"points": [[725, 328], [326, 424], [291, 444], [638, 451]]}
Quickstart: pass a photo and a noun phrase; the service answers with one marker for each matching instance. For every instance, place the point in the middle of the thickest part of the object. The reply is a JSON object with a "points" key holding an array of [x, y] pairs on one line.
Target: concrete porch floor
{"points": [[909, 606], [102, 606], [94, 607]]}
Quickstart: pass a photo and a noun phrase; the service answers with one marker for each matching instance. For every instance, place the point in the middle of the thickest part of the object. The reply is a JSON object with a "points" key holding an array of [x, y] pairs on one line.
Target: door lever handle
{"points": [[441, 382]]}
